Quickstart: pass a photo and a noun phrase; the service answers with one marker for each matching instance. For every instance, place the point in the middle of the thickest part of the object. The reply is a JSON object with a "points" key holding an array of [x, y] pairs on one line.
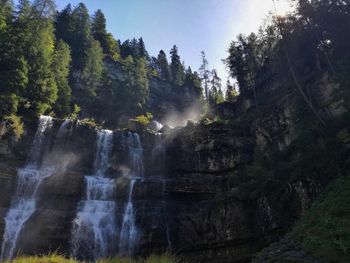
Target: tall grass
{"points": [[54, 258]]}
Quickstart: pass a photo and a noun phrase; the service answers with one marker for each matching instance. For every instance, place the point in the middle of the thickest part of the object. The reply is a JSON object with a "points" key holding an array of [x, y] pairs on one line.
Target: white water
{"points": [[129, 232], [23, 204], [62, 133], [158, 152], [94, 228]]}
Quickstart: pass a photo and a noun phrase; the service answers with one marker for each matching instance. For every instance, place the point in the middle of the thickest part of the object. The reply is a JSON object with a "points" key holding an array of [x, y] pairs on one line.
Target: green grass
{"points": [[54, 258], [325, 229]]}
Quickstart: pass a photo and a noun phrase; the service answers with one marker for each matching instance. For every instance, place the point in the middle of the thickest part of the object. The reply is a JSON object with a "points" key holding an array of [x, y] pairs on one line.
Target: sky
{"points": [[193, 25]]}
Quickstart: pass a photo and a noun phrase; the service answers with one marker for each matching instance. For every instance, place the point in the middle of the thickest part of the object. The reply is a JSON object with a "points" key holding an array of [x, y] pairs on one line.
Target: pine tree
{"points": [[204, 72], [60, 67], [176, 67], [215, 94], [5, 14], [91, 75], [108, 43], [81, 36], [141, 49], [35, 42], [44, 8], [13, 66], [193, 84], [64, 28], [163, 66]]}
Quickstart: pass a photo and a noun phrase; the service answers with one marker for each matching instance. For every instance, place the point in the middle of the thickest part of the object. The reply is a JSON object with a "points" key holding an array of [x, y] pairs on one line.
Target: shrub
{"points": [[76, 110], [144, 119], [90, 122], [15, 124], [325, 229]]}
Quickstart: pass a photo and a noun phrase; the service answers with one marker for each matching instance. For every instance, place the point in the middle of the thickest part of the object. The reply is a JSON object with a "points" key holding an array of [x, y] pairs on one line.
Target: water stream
{"points": [[94, 228], [29, 178]]}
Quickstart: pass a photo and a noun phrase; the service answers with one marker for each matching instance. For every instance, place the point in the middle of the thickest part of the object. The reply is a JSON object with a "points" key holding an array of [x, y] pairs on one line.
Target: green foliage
{"points": [[92, 71], [144, 120], [165, 258], [325, 229], [33, 40], [60, 67], [90, 122], [15, 124], [193, 84], [246, 57], [8, 104], [134, 89], [176, 67], [75, 112], [163, 66], [204, 73], [51, 60], [135, 48], [53, 258], [109, 45], [215, 94]]}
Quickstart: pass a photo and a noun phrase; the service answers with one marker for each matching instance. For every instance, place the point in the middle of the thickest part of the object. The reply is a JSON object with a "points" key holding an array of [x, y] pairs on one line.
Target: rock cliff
{"points": [[198, 195]]}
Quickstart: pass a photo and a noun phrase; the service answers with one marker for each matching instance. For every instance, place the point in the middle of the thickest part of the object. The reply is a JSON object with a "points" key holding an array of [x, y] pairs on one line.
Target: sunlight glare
{"points": [[283, 7]]}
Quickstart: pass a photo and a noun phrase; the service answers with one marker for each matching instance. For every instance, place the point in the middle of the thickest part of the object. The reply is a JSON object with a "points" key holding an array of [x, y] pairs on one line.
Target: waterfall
{"points": [[94, 228], [29, 178], [62, 133], [36, 149], [129, 232], [158, 152], [158, 163]]}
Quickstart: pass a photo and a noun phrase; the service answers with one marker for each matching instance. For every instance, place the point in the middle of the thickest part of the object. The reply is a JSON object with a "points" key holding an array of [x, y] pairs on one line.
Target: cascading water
{"points": [[62, 133], [23, 204], [94, 228], [129, 232], [158, 159], [158, 152]]}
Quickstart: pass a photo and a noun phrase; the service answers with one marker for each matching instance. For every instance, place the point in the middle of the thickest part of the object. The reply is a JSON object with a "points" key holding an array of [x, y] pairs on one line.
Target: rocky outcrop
{"points": [[285, 250]]}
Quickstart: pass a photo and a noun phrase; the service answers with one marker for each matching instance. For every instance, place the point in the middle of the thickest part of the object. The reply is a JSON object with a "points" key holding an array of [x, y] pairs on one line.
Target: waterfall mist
{"points": [[176, 119]]}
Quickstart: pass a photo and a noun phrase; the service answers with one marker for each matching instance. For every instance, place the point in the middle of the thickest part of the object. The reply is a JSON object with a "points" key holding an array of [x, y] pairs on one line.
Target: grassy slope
{"points": [[325, 230], [166, 258]]}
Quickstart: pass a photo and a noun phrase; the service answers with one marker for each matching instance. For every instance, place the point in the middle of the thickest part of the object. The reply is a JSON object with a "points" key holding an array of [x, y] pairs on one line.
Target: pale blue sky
{"points": [[193, 25]]}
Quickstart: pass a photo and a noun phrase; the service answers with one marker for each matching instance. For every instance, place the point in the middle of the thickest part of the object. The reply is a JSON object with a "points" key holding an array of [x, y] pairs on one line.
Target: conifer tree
{"points": [[176, 67], [60, 68], [163, 66], [108, 43], [204, 72]]}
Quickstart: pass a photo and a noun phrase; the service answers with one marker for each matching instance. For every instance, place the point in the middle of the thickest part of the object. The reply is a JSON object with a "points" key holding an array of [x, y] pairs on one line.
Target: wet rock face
{"points": [[180, 203], [213, 149]]}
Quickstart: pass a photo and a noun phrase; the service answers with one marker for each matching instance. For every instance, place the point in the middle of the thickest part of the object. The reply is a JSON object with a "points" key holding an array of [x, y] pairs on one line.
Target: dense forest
{"points": [[56, 62]]}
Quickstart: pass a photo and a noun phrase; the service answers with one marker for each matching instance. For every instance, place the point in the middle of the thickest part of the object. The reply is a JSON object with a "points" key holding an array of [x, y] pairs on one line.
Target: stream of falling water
{"points": [[94, 228], [129, 232], [29, 178], [95, 233]]}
